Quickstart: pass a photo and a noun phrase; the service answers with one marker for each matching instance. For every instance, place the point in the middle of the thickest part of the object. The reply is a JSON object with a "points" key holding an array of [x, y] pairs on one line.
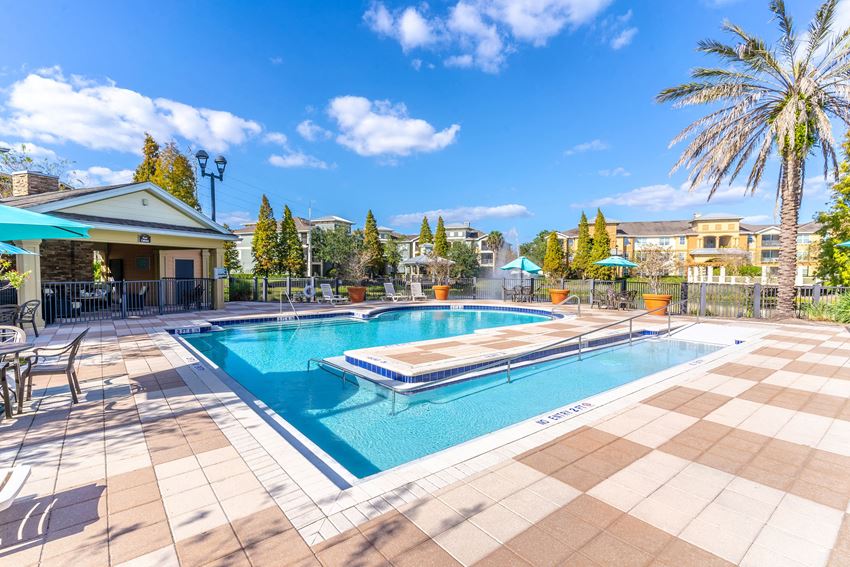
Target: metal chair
{"points": [[26, 314], [8, 314], [40, 363], [10, 334]]}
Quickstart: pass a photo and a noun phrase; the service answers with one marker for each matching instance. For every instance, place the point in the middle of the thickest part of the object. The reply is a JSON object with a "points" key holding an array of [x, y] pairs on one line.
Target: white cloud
{"points": [[463, 214], [275, 138], [757, 219], [416, 64], [48, 107], [297, 159], [379, 128], [616, 172], [665, 197], [482, 32], [32, 150], [311, 131], [596, 145], [235, 219], [98, 175], [276, 60], [623, 38]]}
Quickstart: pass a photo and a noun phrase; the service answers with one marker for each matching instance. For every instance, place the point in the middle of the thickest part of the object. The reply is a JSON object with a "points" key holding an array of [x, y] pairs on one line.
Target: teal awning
{"points": [[11, 249], [524, 264], [616, 262], [21, 224]]}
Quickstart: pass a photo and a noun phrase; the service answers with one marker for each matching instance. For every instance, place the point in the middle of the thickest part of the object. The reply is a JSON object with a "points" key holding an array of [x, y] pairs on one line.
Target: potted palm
{"points": [[439, 269], [655, 264], [356, 268], [555, 268]]}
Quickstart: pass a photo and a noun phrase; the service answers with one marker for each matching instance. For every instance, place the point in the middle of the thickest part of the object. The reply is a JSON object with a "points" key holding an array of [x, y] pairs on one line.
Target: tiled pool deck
{"points": [[745, 459]]}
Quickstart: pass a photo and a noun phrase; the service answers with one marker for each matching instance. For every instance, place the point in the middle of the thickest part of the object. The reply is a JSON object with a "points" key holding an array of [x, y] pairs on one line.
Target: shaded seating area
{"points": [[520, 293], [608, 298]]}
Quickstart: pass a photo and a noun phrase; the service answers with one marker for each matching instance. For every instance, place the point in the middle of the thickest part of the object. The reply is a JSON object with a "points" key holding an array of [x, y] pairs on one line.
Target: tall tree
{"points": [[441, 241], [264, 246], [290, 252], [600, 250], [536, 249], [554, 265], [425, 235], [337, 246], [372, 244], [146, 170], [231, 256], [465, 260], [495, 240], [834, 261], [392, 255], [581, 260], [764, 100], [175, 173]]}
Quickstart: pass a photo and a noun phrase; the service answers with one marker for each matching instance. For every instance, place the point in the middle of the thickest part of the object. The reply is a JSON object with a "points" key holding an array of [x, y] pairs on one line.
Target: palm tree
{"points": [[772, 99], [495, 240]]}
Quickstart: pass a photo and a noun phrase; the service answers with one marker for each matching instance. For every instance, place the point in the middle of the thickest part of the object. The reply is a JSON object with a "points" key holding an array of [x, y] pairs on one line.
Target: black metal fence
{"points": [[71, 302]]}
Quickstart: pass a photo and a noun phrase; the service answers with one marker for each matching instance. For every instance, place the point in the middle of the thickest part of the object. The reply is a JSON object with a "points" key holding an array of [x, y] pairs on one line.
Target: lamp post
{"points": [[220, 164]]}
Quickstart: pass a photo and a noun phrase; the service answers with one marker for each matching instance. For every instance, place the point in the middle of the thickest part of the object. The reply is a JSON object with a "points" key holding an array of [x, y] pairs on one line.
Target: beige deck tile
{"points": [[432, 516], [465, 500], [500, 523], [466, 542]]}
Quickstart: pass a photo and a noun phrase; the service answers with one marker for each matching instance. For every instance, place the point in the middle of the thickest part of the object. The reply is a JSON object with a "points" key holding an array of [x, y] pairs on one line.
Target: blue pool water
{"points": [[352, 423]]}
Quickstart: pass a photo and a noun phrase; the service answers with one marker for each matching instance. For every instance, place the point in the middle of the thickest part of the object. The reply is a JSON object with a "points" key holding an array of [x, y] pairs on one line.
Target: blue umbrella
{"points": [[524, 264], [844, 244], [616, 262], [21, 224], [6, 248]]}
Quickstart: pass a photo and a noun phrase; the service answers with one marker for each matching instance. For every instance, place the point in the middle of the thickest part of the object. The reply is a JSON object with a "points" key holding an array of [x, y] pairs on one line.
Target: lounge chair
{"points": [[416, 292], [329, 296], [389, 293], [26, 314], [11, 482], [54, 360]]}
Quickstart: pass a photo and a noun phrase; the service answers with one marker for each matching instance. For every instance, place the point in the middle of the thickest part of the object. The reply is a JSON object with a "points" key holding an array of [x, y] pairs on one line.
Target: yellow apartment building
{"points": [[708, 241]]}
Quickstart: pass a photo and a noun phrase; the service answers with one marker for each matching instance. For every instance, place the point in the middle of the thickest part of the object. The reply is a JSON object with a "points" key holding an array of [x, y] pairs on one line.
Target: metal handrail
{"points": [[507, 362], [289, 299], [566, 301]]}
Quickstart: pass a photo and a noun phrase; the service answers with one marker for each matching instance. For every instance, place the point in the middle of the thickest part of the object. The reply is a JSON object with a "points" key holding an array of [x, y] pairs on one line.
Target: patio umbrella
{"points": [[6, 248], [523, 264], [616, 262], [844, 244], [21, 224]]}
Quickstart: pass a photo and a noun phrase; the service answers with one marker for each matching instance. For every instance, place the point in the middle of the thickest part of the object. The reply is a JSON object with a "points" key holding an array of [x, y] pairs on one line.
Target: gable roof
{"points": [[54, 202]]}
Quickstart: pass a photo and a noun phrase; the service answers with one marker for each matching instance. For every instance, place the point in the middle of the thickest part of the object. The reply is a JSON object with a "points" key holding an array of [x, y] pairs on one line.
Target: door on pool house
{"points": [[184, 273]]}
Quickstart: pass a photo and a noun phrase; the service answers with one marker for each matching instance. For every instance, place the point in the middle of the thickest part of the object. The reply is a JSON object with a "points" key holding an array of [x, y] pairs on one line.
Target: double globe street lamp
{"points": [[220, 164]]}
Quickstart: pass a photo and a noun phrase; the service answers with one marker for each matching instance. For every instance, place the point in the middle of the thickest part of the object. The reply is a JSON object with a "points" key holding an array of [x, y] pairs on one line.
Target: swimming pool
{"points": [[352, 422]]}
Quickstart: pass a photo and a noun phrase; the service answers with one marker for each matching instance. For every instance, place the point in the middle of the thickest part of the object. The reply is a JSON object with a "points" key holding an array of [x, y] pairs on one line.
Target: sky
{"points": [[512, 115]]}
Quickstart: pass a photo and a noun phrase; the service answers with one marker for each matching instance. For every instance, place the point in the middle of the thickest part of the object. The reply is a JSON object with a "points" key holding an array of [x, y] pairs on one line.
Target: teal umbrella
{"points": [[524, 264], [844, 244], [6, 248], [21, 224], [616, 262]]}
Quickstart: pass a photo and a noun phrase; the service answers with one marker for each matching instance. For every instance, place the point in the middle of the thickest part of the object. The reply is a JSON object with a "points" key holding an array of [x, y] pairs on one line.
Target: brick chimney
{"points": [[33, 183]]}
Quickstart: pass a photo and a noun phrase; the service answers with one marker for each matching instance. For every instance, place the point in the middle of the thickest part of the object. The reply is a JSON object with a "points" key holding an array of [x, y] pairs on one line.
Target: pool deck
{"points": [[742, 460]]}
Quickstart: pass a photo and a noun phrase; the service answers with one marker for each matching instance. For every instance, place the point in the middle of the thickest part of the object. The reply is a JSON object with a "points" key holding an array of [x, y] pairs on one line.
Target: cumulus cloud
{"points": [[757, 219], [481, 32], [591, 146], [463, 214], [275, 138], [623, 38], [48, 107], [97, 175], [235, 219], [297, 159], [380, 128], [312, 132], [32, 150], [665, 197], [615, 172]]}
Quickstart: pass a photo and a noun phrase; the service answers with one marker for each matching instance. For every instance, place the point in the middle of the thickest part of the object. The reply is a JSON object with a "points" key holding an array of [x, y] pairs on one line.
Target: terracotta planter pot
{"points": [[356, 294], [441, 292], [558, 295], [656, 301]]}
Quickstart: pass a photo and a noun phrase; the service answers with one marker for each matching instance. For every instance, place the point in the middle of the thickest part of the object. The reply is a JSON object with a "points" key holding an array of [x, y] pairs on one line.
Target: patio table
{"points": [[14, 349]]}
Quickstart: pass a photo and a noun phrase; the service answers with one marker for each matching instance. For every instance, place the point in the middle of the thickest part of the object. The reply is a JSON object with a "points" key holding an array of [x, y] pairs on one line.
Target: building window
{"points": [[709, 242], [751, 239], [804, 239], [768, 256], [625, 241], [682, 240], [769, 240], [664, 241]]}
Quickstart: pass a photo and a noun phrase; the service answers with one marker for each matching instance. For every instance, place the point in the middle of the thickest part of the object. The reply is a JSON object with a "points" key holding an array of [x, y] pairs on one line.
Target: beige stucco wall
{"points": [[132, 206]]}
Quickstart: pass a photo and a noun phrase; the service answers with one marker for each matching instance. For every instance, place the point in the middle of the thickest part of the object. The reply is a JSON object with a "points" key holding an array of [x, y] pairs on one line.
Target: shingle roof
{"points": [[648, 228], [128, 222], [27, 201]]}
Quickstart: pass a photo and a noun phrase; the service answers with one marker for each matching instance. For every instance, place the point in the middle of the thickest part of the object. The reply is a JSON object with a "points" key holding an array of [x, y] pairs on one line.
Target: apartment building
{"points": [[708, 241], [488, 259], [246, 237]]}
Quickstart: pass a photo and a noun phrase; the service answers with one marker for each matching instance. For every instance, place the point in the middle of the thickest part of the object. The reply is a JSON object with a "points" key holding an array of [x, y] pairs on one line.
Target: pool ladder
{"points": [[291, 305]]}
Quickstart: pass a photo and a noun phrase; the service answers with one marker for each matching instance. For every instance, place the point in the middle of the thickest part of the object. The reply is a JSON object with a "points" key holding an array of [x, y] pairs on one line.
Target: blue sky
{"points": [[510, 119]]}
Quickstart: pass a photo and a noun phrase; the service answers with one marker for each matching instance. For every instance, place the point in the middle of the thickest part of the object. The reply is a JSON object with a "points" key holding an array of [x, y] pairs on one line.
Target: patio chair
{"points": [[12, 480], [329, 296], [54, 360], [600, 299], [194, 297], [628, 299], [26, 314], [390, 293], [137, 300], [416, 291], [8, 314], [509, 293], [10, 334]]}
